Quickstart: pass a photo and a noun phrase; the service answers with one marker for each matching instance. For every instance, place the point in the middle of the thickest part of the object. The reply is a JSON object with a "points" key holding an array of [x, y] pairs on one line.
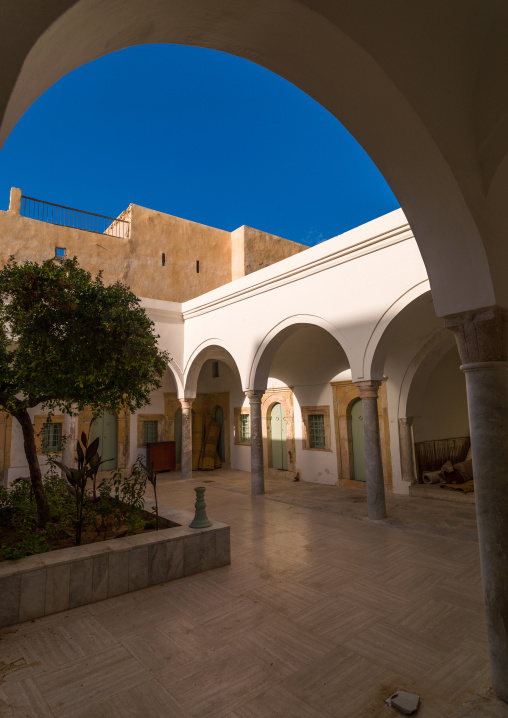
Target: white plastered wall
{"points": [[346, 287], [443, 411]]}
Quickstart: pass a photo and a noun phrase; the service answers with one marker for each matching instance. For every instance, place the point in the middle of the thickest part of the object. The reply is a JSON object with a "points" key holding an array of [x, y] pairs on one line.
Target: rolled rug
{"points": [[431, 477]]}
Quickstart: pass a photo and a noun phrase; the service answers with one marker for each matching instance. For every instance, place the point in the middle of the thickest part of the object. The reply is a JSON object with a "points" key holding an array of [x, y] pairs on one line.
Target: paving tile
{"points": [[217, 684], [283, 643], [23, 699], [149, 700], [320, 613], [63, 642], [80, 684], [336, 621], [284, 596], [276, 703], [409, 652]]}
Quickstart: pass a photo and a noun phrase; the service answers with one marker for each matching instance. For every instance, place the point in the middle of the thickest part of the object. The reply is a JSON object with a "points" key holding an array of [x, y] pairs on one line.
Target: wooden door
{"points": [[106, 428], [278, 436]]}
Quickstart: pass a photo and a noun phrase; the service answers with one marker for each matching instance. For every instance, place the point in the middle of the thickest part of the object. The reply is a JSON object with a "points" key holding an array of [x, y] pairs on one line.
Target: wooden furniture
{"points": [[162, 455]]}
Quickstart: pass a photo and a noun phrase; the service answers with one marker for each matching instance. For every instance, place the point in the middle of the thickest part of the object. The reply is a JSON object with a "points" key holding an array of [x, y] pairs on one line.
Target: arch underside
{"points": [[387, 112], [275, 338]]}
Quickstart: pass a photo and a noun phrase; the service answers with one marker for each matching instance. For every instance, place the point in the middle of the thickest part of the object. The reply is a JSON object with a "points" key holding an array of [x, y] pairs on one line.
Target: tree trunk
{"points": [[33, 464]]}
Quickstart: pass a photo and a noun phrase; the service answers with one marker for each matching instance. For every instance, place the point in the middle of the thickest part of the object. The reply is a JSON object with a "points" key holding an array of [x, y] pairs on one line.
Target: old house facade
{"points": [[293, 345]]}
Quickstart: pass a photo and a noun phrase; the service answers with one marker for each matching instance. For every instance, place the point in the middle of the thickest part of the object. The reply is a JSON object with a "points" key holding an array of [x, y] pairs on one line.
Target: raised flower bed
{"points": [[47, 583]]}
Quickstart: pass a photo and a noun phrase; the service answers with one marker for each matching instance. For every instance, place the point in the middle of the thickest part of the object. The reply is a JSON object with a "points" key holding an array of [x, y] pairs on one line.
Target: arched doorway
{"points": [[218, 416], [105, 427], [278, 438], [358, 441]]}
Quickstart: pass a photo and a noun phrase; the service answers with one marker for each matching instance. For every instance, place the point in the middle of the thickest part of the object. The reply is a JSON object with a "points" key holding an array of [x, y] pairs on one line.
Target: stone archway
{"points": [[368, 92]]}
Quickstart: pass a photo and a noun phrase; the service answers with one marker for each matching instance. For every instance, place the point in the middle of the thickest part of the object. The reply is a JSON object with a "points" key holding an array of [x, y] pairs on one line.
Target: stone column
{"points": [[69, 450], [376, 508], [186, 438], [482, 339], [257, 472], [407, 460]]}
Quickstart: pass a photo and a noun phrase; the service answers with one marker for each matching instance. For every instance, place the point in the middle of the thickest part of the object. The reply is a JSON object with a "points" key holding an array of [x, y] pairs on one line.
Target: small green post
{"points": [[200, 520]]}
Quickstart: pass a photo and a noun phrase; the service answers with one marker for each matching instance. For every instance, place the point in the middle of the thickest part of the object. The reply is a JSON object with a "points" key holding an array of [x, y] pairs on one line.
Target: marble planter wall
{"points": [[58, 580]]}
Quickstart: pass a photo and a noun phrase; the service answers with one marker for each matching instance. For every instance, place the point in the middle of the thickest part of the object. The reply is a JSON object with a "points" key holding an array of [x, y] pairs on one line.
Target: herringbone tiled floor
{"points": [[320, 615]]}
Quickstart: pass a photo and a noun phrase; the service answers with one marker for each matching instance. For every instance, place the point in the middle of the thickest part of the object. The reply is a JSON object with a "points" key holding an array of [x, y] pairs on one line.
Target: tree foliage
{"points": [[68, 341]]}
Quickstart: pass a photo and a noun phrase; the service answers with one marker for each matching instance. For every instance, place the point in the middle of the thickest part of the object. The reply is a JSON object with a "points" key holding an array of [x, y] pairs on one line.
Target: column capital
{"points": [[481, 335], [369, 388], [186, 403], [406, 421], [255, 395]]}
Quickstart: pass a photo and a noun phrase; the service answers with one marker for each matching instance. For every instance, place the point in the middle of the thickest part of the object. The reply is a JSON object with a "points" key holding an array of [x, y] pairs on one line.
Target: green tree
{"points": [[67, 341]]}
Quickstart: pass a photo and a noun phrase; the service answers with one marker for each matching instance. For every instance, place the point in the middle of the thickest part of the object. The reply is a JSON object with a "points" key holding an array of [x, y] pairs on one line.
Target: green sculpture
{"points": [[200, 520]]}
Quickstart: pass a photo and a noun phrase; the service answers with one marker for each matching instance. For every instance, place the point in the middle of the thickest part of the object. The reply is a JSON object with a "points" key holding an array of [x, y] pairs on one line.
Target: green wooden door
{"points": [[178, 436], [219, 419], [278, 432], [106, 428], [358, 441]]}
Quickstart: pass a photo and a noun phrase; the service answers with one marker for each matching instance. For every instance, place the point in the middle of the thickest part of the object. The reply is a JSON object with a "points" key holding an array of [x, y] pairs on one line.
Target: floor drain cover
{"points": [[406, 703]]}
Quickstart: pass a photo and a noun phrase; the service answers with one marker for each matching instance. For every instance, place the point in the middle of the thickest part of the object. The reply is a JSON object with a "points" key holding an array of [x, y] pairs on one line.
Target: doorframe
{"points": [[344, 393], [284, 397], [123, 422]]}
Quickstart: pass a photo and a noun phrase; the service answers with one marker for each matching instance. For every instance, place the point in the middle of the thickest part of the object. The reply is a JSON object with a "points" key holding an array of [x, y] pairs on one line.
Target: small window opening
{"points": [[163, 259], [244, 428], [215, 370], [150, 432], [59, 253], [52, 438], [317, 439], [197, 266]]}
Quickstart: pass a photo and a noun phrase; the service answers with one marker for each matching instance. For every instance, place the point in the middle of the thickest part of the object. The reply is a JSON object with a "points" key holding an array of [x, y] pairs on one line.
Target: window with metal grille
{"points": [[215, 370], [317, 438], [52, 438], [244, 428], [59, 253], [150, 432]]}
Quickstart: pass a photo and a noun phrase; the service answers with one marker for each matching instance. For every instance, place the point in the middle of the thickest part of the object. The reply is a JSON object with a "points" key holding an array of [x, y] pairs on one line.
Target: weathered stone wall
{"points": [[184, 243], [253, 249], [137, 259]]}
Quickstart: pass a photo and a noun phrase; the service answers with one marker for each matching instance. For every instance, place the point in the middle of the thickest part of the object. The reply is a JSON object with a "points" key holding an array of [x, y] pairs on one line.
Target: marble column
{"points": [[482, 339], [69, 450], [257, 471], [186, 438], [407, 460], [376, 508]]}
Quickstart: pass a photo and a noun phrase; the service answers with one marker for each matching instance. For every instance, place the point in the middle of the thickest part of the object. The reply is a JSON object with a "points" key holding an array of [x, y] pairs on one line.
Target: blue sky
{"points": [[198, 134]]}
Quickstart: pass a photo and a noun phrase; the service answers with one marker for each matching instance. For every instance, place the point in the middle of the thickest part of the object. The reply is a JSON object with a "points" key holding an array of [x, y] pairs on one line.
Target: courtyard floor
{"points": [[322, 614]]}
